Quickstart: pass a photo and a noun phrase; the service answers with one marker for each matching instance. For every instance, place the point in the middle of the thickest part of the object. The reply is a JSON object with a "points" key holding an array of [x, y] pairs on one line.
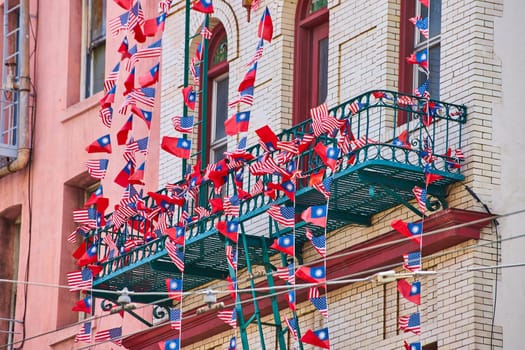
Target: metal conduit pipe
{"points": [[24, 145]]}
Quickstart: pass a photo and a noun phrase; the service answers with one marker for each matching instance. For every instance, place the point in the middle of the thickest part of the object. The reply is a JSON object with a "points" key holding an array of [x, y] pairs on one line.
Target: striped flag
{"points": [[421, 198], [319, 242], [286, 273], [410, 323], [292, 326], [283, 215], [183, 124], [113, 334], [205, 32], [175, 254], [84, 333], [412, 261], [80, 280], [118, 24], [229, 317], [231, 256], [97, 168], [175, 319]]}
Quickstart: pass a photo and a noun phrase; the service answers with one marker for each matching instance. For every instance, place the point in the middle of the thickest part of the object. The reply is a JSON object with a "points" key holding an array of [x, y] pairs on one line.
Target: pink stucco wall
{"points": [[46, 190]]}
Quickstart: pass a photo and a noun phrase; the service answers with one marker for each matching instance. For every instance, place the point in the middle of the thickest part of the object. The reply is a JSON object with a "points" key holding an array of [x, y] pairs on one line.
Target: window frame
{"points": [[310, 30], [89, 46], [216, 72]]}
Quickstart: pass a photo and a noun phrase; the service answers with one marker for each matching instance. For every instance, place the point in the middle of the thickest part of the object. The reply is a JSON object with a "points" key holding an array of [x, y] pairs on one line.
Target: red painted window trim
{"points": [[309, 29], [214, 71], [406, 47]]}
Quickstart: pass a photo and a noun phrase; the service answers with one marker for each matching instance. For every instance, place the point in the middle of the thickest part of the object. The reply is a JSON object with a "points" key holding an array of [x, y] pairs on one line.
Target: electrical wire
{"points": [[340, 280]]}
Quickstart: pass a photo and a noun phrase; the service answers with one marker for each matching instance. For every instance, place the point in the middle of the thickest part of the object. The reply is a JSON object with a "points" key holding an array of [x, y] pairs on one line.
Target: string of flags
{"points": [[152, 222]]}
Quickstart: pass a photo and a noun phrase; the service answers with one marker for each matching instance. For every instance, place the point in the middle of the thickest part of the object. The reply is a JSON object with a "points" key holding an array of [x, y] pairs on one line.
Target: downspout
{"points": [[24, 144]]}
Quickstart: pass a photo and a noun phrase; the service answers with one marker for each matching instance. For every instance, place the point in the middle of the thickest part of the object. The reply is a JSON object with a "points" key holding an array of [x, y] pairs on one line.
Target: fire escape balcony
{"points": [[393, 133]]}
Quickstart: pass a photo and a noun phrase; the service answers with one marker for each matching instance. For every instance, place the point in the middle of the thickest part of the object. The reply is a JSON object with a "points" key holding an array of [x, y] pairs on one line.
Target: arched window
{"points": [[217, 99], [311, 57]]}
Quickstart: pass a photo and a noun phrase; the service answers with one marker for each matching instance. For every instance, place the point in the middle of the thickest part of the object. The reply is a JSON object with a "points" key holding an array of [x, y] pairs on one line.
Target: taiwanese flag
{"points": [[102, 144], [151, 77], [83, 305], [410, 291], [401, 140], [316, 215], [228, 229], [328, 155], [125, 4], [291, 300], [179, 147], [420, 58], [164, 201], [265, 30], [174, 287], [232, 287], [95, 197], [412, 346], [239, 122], [216, 204], [287, 187], [89, 257], [316, 177], [129, 83], [284, 244], [317, 338], [408, 229], [190, 97], [267, 138], [154, 25], [142, 114], [176, 234], [122, 134], [137, 177], [429, 177], [311, 274], [124, 174], [172, 344], [204, 6], [249, 78]]}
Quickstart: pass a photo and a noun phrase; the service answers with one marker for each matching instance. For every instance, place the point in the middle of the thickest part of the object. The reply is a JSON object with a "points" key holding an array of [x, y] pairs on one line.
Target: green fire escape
{"points": [[376, 176]]}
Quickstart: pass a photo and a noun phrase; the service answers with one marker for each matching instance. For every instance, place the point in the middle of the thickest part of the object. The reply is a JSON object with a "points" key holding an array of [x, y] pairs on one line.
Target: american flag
{"points": [[175, 319], [258, 53], [421, 24], [410, 323], [205, 32], [176, 256], [325, 186], [354, 107], [245, 96], [405, 100], [286, 273], [136, 16], [113, 334], [459, 154], [182, 124], [118, 24], [80, 280], [292, 326], [97, 168], [84, 333], [422, 91], [231, 256], [323, 122], [412, 261], [319, 242], [143, 95], [152, 51], [257, 188], [229, 317], [112, 78], [288, 146], [320, 304], [313, 292], [421, 198], [164, 5], [266, 165], [283, 215], [232, 206], [201, 212], [195, 71], [112, 250], [86, 216], [106, 115]]}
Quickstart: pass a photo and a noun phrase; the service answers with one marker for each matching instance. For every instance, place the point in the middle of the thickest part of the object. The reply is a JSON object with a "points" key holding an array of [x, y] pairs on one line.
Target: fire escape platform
{"points": [[375, 177]]}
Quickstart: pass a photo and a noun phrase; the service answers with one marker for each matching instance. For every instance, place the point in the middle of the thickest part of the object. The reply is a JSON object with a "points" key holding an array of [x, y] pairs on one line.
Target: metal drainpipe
{"points": [[24, 146]]}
